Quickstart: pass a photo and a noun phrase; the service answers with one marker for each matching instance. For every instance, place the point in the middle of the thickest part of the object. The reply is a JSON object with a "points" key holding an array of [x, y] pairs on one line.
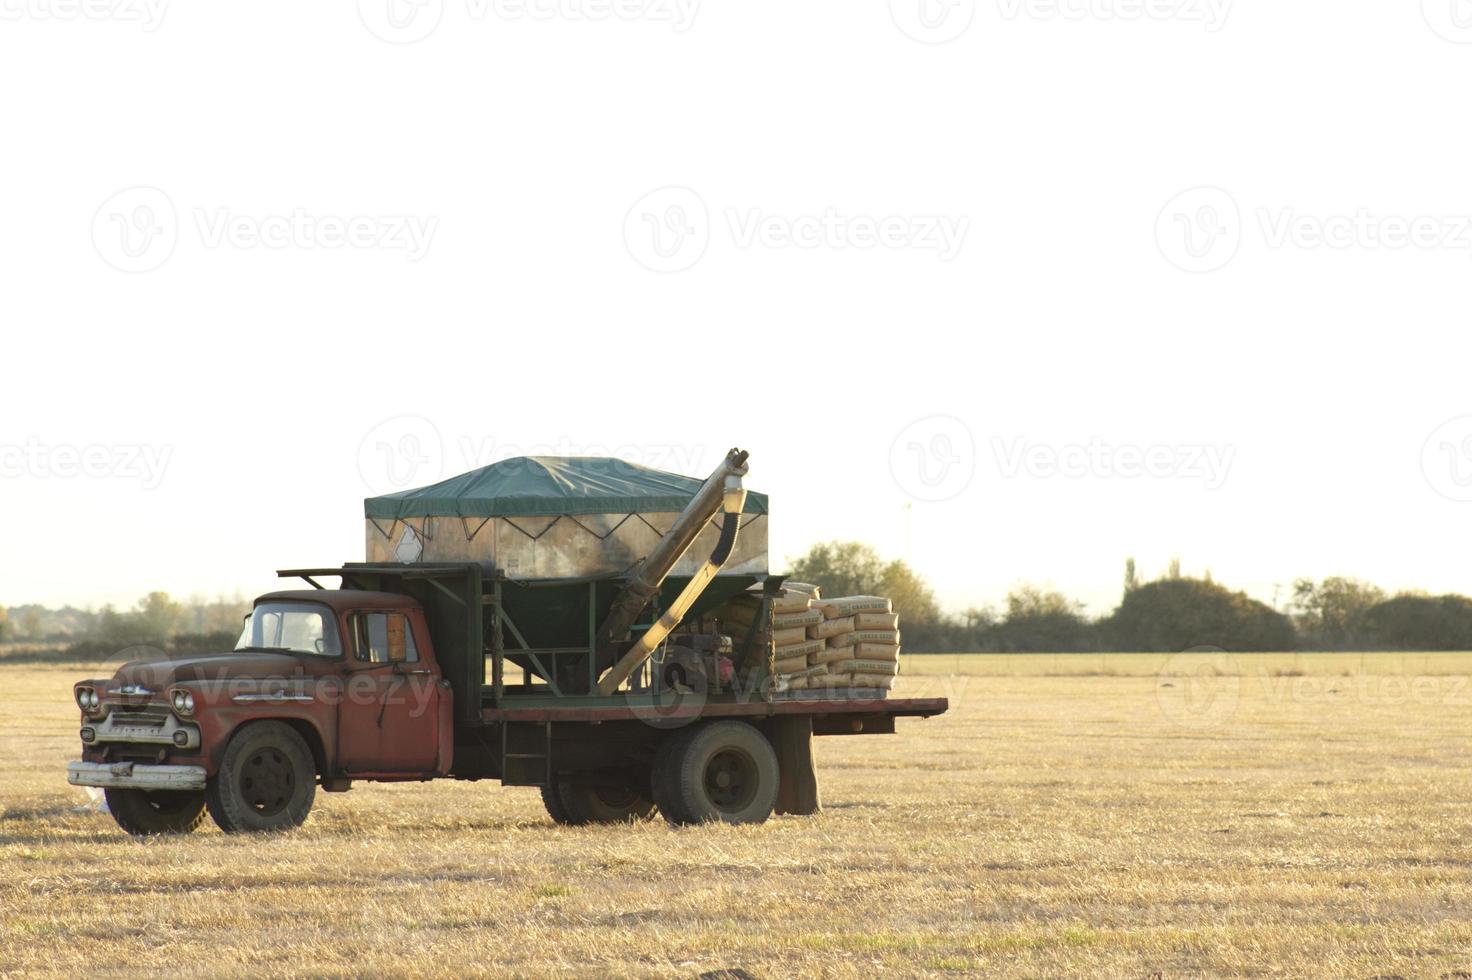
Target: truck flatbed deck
{"points": [[632, 709]]}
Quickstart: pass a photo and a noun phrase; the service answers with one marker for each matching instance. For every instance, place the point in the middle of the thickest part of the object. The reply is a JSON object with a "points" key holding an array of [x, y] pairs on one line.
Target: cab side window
{"points": [[382, 638]]}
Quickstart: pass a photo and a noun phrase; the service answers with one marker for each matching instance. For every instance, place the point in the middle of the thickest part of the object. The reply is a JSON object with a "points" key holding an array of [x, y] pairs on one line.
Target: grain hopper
{"points": [[579, 549]]}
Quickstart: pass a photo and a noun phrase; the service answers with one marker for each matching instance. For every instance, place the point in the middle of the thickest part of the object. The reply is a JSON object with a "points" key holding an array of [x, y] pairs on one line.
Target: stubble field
{"points": [[1123, 816]]}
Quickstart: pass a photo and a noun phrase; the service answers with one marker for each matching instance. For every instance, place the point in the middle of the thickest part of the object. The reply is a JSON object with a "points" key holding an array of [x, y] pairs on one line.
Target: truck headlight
{"points": [[87, 699], [183, 702]]}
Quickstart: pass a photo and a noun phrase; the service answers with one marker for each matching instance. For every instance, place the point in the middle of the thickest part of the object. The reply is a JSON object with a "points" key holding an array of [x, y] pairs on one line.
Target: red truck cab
{"points": [[330, 684]]}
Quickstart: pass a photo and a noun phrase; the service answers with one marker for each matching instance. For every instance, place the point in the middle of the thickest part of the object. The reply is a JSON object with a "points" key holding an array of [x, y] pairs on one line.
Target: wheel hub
{"points": [[615, 797], [731, 779], [267, 781]]}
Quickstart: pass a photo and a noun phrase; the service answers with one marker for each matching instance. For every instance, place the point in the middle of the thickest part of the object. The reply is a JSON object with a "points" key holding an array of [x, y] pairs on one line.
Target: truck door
{"points": [[389, 718]]}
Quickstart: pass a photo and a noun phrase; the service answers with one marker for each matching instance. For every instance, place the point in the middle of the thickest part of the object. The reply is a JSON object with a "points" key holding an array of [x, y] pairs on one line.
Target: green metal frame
{"points": [[544, 662], [464, 645]]}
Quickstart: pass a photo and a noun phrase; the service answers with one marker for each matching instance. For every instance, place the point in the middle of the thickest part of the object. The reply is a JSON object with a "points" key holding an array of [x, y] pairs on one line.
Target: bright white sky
{"points": [[1033, 289]]}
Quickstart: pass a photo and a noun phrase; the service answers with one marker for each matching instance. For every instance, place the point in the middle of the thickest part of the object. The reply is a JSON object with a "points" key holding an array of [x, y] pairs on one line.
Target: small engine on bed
{"points": [[697, 662]]}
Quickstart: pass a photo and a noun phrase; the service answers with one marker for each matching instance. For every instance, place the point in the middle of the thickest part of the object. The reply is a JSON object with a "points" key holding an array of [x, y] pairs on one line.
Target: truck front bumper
{"points": [[131, 775]]}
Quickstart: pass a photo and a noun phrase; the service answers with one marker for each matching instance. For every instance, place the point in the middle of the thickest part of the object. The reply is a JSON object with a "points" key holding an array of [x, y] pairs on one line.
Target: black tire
{"points": [[267, 780], [552, 800], [143, 813], [720, 771], [588, 803], [664, 778]]}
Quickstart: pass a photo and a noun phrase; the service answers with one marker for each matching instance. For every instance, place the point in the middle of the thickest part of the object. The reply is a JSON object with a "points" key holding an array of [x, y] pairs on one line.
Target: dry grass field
{"points": [[1128, 817]]}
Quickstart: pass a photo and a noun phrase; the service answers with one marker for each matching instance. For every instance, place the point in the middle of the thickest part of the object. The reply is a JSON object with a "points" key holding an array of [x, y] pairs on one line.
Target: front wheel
{"points": [[267, 780], [722, 771], [143, 813]]}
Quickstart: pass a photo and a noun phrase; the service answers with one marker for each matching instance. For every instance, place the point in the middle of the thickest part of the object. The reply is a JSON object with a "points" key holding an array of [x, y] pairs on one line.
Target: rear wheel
{"points": [[267, 780], [665, 777], [552, 800], [142, 813], [589, 803], [722, 771], [580, 803]]}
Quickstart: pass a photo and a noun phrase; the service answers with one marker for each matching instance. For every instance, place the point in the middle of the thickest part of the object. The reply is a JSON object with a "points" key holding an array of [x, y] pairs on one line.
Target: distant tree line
{"points": [[1172, 613], [157, 620]]}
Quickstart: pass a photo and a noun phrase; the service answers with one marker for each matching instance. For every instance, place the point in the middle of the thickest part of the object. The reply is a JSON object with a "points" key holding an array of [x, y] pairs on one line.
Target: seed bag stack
{"points": [[852, 641], [793, 616]]}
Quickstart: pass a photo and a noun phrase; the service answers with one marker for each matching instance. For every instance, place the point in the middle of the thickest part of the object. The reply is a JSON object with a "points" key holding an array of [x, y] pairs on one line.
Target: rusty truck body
{"points": [[619, 695]]}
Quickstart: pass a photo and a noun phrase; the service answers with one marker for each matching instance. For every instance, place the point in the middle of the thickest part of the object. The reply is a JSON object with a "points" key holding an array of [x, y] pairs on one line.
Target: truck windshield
{"points": [[291, 627]]}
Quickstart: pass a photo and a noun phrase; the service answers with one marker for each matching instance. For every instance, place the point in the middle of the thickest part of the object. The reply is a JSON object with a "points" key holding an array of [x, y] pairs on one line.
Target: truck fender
{"points": [[324, 751]]}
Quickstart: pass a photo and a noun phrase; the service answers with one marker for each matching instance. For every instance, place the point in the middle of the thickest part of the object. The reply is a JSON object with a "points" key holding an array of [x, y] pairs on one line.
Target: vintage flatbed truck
{"points": [[637, 692]]}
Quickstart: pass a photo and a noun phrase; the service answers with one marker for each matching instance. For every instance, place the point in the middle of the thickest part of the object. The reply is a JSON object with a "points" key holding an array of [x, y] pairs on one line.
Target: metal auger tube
{"points": [[645, 578]]}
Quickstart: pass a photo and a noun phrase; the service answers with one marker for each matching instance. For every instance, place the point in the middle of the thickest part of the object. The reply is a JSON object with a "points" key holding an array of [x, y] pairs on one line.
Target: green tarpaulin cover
{"points": [[549, 485]]}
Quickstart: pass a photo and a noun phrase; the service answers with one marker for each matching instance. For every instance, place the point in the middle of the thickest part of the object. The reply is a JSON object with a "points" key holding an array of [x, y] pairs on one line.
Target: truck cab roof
{"points": [[341, 600]]}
